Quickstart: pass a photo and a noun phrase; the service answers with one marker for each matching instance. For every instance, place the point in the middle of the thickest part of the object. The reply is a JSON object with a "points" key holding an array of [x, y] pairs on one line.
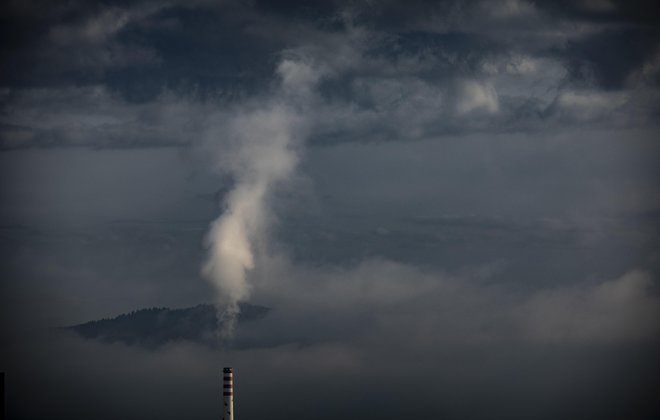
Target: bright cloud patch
{"points": [[476, 96]]}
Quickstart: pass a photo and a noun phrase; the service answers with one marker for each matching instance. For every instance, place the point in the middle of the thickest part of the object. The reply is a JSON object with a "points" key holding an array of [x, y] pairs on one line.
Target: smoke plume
{"points": [[259, 149]]}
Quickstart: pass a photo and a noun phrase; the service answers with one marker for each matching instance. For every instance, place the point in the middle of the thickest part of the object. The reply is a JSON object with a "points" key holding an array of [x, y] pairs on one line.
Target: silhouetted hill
{"points": [[155, 327]]}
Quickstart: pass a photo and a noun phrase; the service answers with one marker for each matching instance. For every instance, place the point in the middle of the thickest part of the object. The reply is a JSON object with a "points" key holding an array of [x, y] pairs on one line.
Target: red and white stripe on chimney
{"points": [[228, 394]]}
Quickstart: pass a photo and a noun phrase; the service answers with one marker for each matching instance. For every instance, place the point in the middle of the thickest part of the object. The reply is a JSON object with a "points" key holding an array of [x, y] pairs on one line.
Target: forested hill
{"points": [[156, 327]]}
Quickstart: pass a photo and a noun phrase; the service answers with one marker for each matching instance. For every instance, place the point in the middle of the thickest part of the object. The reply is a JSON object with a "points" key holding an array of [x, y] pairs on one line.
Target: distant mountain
{"points": [[156, 327]]}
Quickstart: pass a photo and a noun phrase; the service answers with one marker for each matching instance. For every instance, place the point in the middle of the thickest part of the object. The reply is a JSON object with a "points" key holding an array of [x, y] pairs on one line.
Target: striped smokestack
{"points": [[228, 394]]}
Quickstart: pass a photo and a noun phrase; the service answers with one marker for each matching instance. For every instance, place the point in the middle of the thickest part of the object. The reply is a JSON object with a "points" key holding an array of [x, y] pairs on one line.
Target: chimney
{"points": [[228, 394]]}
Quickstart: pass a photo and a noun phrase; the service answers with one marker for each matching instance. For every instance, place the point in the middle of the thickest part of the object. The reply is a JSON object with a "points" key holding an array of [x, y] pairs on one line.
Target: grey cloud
{"points": [[376, 85], [637, 11], [589, 60], [99, 28], [617, 310], [128, 46], [384, 300], [94, 117], [379, 109]]}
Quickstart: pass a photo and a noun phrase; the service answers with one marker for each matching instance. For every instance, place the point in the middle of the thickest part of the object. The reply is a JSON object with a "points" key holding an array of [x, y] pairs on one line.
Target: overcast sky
{"points": [[451, 206]]}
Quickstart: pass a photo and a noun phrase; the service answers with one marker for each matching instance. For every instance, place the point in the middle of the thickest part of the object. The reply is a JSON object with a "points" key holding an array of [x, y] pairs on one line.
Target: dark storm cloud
{"points": [[136, 48], [459, 66], [644, 12], [608, 59]]}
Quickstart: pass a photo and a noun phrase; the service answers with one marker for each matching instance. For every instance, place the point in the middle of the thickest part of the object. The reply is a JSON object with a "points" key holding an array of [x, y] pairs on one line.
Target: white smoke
{"points": [[259, 148]]}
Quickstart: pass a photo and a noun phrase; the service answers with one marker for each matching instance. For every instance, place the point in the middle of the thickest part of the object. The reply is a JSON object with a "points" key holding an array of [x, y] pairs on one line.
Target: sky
{"points": [[451, 207]]}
